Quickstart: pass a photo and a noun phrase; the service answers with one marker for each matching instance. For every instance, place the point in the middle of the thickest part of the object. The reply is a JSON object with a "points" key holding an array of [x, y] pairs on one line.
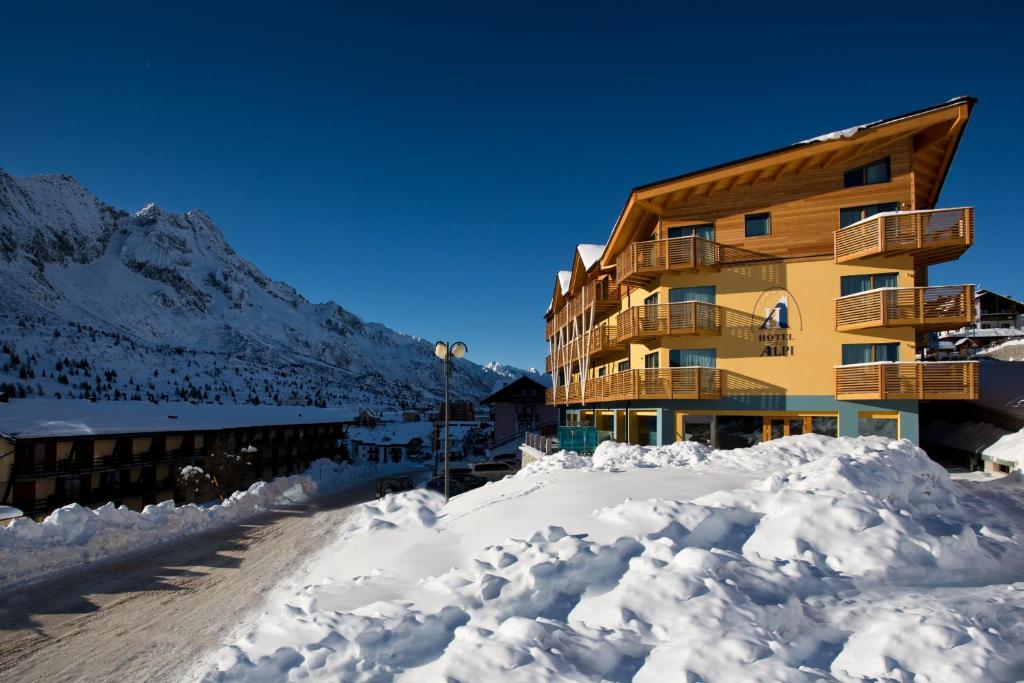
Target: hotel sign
{"points": [[776, 317]]}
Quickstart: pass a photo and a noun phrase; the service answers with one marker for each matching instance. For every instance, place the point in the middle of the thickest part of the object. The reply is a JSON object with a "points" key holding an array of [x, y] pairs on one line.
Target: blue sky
{"points": [[430, 166]]}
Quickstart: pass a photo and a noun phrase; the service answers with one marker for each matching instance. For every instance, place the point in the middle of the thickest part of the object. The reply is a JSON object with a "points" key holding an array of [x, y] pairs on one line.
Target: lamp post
{"points": [[445, 351]]}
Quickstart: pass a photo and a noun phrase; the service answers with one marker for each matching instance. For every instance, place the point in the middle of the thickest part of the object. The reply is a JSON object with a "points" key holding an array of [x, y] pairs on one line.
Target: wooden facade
{"points": [[695, 265], [138, 469]]}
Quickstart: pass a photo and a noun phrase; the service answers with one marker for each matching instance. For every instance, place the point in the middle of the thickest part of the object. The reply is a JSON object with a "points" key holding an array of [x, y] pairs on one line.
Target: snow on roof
{"points": [[47, 417], [7, 512], [839, 134], [984, 332], [563, 280], [590, 254]]}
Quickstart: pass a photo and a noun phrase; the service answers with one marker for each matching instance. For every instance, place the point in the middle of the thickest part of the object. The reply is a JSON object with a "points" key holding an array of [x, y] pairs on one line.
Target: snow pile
{"points": [[75, 534], [418, 507], [773, 455], [562, 460], [1008, 449], [796, 577], [329, 475], [1009, 350]]}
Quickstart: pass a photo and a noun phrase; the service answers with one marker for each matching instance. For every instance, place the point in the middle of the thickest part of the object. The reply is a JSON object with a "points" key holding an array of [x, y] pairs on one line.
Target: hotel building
{"points": [[779, 294]]}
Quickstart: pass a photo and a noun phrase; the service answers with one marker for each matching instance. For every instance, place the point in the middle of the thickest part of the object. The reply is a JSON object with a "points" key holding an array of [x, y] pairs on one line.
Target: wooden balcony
{"points": [[635, 385], [914, 380], [926, 308], [661, 320], [642, 262], [931, 236], [603, 295], [603, 342]]}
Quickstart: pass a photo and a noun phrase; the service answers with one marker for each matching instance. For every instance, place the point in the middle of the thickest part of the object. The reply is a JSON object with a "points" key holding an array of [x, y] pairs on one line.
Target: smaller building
{"points": [[994, 311], [516, 409], [458, 411], [389, 442], [57, 452]]}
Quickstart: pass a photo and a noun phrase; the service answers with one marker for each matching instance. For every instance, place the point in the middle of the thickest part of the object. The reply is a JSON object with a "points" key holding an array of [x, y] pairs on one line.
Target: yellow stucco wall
{"points": [[813, 286]]}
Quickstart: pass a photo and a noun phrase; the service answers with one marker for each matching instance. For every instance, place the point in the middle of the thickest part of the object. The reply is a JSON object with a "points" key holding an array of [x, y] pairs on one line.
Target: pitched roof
{"points": [[638, 203], [510, 390]]}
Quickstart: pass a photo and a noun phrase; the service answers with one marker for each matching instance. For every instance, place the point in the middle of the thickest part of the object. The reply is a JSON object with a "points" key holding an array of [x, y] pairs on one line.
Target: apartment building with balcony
{"points": [[783, 293], [57, 452]]}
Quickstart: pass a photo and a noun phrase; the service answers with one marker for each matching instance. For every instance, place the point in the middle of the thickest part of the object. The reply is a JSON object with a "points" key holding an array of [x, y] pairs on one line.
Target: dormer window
{"points": [[868, 174]]}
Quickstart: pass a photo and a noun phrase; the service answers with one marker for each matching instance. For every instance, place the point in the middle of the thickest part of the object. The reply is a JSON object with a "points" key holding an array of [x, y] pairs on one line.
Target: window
{"points": [[870, 353], [681, 294], [852, 214], [623, 365], [705, 231], [868, 174], [652, 300], [825, 424], [758, 224], [878, 424], [651, 360], [692, 358], [854, 284], [602, 371], [738, 431]]}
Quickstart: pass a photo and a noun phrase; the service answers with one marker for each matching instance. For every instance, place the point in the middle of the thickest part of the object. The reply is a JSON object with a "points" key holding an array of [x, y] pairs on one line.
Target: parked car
{"points": [[513, 459], [460, 483], [493, 470], [386, 485]]}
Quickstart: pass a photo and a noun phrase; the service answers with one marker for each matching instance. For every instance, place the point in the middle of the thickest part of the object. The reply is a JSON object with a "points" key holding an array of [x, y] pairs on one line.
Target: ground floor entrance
{"points": [[729, 427]]}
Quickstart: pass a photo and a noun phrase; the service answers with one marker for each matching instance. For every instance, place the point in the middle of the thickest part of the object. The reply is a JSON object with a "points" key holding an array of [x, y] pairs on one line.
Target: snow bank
{"points": [[796, 577], [614, 456], [75, 534], [1008, 449]]}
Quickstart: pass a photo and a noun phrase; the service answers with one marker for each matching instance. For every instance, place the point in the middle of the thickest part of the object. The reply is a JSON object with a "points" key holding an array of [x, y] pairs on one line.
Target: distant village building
{"points": [[518, 408], [998, 311], [997, 319], [458, 411], [64, 452]]}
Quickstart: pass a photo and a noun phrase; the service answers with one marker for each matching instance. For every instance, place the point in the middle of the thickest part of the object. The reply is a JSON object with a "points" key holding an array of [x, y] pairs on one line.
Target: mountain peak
{"points": [[149, 213]]}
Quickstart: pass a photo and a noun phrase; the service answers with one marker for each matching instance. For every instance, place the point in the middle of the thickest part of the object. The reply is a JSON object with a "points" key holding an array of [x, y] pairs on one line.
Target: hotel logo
{"points": [[775, 317]]}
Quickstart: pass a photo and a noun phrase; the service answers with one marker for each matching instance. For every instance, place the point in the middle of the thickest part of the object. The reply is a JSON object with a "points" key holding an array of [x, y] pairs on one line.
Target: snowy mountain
{"points": [[97, 302]]}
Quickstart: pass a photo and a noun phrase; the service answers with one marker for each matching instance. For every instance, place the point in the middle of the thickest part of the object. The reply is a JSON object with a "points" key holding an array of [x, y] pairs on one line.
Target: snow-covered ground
{"points": [[74, 534], [806, 558]]}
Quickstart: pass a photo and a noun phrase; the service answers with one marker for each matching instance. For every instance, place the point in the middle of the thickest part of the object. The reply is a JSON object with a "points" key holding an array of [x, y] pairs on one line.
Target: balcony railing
{"points": [[914, 380], [603, 341], [641, 262], [931, 236], [927, 308], [634, 385], [661, 320], [604, 294]]}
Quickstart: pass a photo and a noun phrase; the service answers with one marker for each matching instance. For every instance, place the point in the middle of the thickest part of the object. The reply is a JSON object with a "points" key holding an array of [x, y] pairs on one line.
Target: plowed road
{"points": [[152, 614]]}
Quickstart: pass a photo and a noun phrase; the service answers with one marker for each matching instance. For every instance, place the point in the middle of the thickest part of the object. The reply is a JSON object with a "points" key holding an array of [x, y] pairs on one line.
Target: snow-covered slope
{"points": [[95, 301], [800, 559]]}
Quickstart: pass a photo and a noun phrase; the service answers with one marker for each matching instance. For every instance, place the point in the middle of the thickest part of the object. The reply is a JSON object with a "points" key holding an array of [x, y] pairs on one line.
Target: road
{"points": [[151, 614]]}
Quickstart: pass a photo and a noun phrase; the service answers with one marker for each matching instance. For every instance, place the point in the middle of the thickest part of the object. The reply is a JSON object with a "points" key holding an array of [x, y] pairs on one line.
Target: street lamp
{"points": [[445, 351]]}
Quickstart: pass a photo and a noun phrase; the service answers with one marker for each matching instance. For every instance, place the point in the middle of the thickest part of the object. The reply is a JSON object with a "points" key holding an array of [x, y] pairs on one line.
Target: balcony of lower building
{"points": [[651, 321], [599, 343], [599, 297], [642, 384], [925, 308], [930, 236], [642, 262], [941, 380]]}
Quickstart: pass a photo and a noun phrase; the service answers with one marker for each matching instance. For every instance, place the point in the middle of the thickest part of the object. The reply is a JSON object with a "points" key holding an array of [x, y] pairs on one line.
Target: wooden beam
{"points": [[650, 206]]}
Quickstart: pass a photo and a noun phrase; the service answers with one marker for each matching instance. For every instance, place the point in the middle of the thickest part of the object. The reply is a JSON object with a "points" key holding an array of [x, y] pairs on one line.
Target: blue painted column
{"points": [[666, 427]]}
